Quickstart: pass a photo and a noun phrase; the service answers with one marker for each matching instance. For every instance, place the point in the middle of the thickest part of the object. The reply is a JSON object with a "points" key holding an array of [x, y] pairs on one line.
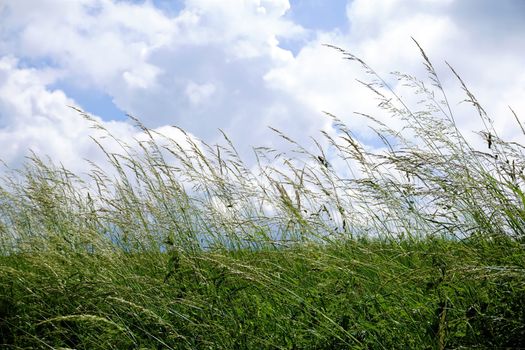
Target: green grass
{"points": [[181, 245], [356, 294]]}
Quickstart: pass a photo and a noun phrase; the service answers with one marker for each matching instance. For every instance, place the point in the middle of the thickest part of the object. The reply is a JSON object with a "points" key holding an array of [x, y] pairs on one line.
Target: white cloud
{"points": [[94, 41], [33, 117], [146, 60], [219, 64], [245, 27], [142, 77], [380, 33], [36, 118], [197, 94]]}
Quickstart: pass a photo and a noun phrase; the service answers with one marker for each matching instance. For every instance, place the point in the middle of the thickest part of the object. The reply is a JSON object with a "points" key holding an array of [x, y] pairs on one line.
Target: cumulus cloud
{"points": [[94, 41], [220, 64], [197, 94], [380, 33], [201, 68], [34, 118]]}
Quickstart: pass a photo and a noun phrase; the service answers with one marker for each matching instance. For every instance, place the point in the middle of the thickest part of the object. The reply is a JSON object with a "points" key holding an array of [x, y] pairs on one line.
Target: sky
{"points": [[239, 66]]}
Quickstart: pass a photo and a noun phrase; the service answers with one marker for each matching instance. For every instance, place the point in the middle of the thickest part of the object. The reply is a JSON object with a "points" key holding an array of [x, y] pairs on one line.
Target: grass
{"points": [[181, 245]]}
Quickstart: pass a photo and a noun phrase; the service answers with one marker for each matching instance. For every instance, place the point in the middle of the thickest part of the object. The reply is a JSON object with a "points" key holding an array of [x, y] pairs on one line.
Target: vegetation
{"points": [[177, 244]]}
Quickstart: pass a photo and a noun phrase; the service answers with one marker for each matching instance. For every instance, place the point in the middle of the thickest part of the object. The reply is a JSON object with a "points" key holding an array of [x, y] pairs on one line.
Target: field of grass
{"points": [[416, 244]]}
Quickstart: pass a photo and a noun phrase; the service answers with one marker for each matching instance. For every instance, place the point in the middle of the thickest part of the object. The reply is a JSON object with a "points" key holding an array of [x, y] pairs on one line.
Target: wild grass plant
{"points": [[181, 245]]}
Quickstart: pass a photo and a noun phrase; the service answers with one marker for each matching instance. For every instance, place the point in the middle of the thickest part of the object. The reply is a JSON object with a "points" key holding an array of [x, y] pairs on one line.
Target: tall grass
{"points": [[415, 243]]}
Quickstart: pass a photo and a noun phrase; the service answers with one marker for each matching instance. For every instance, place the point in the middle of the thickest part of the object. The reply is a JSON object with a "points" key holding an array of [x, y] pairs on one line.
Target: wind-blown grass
{"points": [[179, 244]]}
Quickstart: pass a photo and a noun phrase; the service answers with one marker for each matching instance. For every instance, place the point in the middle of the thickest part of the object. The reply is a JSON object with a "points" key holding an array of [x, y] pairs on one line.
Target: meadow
{"points": [[416, 244]]}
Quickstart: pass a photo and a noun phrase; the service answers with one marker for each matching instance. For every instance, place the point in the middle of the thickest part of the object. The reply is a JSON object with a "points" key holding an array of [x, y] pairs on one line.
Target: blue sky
{"points": [[237, 65], [319, 14]]}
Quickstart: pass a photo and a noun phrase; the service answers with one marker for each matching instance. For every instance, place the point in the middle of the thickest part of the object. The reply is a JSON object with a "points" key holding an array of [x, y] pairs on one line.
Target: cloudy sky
{"points": [[237, 65]]}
